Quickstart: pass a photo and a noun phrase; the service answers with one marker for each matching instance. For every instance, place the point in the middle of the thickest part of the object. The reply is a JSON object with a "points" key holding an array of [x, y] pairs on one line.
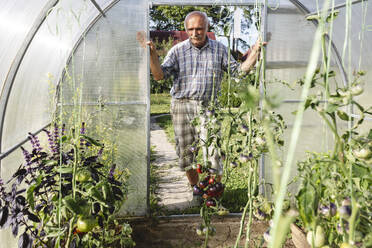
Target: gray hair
{"points": [[199, 13]]}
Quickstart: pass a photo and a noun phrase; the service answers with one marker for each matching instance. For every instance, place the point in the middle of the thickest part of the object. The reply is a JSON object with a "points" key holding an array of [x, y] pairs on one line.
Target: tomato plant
{"points": [[335, 186]]}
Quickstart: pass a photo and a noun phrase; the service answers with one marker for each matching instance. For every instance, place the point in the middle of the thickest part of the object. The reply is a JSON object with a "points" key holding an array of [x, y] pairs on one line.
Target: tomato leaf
{"points": [[307, 200], [332, 16], [78, 206], [331, 108], [30, 192], [343, 116], [95, 194]]}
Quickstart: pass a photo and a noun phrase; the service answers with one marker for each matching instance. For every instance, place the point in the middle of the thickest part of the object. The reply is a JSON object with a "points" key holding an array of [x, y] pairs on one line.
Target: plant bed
{"points": [[180, 231]]}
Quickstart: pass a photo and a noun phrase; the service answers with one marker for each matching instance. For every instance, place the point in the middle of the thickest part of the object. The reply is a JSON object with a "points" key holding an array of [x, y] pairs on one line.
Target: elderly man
{"points": [[197, 66]]}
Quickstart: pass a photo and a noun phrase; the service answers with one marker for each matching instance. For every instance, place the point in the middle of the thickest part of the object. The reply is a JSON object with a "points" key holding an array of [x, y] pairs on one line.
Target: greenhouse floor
{"points": [[180, 231]]}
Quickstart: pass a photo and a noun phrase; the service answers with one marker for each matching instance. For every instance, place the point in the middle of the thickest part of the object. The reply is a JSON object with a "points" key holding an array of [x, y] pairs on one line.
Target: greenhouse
{"points": [[79, 155]]}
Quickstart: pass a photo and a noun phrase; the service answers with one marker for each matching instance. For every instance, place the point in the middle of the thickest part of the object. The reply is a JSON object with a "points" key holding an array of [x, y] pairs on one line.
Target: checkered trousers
{"points": [[183, 112]]}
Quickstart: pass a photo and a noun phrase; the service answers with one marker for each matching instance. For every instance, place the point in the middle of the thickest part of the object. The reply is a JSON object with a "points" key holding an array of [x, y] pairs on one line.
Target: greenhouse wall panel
{"points": [[358, 47], [29, 104], [107, 80], [15, 26]]}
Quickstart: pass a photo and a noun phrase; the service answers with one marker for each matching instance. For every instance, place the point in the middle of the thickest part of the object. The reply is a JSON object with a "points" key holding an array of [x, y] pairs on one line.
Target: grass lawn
{"points": [[160, 103]]}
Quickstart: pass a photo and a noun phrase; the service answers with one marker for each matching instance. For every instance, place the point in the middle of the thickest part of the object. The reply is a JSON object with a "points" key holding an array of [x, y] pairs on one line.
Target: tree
{"points": [[170, 18]]}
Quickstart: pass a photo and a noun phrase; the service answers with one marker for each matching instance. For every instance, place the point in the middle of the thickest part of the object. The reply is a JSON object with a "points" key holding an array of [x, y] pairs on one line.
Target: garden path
{"points": [[173, 190]]}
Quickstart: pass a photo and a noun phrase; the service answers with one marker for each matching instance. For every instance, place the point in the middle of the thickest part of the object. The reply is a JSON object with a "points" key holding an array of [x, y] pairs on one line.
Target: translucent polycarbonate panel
{"points": [[287, 59], [359, 44], [314, 137], [7, 239], [123, 129], [107, 81], [29, 105], [16, 20], [109, 64], [291, 39], [282, 51]]}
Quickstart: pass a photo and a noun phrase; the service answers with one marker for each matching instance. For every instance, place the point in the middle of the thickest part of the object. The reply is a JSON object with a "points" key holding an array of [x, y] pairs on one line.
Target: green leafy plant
{"points": [[65, 195], [336, 186]]}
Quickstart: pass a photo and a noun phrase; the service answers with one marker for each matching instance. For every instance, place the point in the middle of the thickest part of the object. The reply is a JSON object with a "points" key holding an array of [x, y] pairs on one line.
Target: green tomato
{"points": [[346, 245], [266, 207], [223, 212], [342, 92], [362, 153], [334, 100], [212, 230], [356, 90], [319, 239], [86, 224], [83, 176]]}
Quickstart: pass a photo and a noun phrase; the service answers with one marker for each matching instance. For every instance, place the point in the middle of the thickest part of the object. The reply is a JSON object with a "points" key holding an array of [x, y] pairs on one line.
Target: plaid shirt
{"points": [[194, 70]]}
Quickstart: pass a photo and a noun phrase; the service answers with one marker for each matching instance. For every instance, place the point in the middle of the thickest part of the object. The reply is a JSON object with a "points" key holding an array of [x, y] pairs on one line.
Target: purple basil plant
{"points": [[30, 198]]}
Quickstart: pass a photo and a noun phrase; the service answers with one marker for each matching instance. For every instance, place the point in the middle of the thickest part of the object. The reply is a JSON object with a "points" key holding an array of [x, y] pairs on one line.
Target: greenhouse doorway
{"points": [[171, 192]]}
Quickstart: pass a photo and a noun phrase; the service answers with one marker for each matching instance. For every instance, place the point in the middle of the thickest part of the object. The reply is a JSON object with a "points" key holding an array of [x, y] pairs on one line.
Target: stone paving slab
{"points": [[174, 190]]}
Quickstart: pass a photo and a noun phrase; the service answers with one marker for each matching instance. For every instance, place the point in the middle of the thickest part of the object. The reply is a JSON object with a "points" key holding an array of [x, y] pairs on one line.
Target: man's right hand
{"points": [[141, 37], [154, 60]]}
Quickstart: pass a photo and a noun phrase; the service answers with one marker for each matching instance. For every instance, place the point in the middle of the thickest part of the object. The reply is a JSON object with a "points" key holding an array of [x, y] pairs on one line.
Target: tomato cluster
{"points": [[208, 188]]}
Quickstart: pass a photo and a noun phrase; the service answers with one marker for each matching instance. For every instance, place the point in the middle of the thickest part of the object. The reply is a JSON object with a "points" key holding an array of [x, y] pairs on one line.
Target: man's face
{"points": [[196, 28]]}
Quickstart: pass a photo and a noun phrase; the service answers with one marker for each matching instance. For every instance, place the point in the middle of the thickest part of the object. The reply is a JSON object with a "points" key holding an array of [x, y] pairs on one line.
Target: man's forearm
{"points": [[247, 65], [253, 56], [155, 68]]}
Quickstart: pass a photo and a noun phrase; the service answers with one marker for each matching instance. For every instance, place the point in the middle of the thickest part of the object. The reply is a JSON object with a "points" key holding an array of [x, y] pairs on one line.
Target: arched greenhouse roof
{"points": [[91, 47]]}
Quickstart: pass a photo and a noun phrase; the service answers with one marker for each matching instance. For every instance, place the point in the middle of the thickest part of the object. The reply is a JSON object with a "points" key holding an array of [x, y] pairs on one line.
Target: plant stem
{"points": [[242, 220], [227, 155], [33, 232], [249, 184], [72, 221], [74, 171], [354, 213], [206, 239], [251, 191], [273, 155]]}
